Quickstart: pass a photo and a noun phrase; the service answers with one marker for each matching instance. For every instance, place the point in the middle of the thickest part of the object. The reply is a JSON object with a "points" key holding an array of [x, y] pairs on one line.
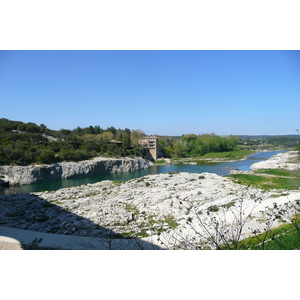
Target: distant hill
{"points": [[289, 141], [268, 137]]}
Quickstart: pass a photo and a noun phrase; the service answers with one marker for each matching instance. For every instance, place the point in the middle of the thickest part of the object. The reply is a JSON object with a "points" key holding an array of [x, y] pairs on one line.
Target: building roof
{"points": [[150, 137]]}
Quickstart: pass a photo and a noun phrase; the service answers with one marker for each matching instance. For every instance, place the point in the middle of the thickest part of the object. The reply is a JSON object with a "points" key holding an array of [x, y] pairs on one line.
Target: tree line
{"points": [[192, 145], [267, 142], [29, 143]]}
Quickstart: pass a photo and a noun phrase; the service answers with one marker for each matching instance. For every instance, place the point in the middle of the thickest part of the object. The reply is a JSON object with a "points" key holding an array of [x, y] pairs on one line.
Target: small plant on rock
{"points": [[213, 208]]}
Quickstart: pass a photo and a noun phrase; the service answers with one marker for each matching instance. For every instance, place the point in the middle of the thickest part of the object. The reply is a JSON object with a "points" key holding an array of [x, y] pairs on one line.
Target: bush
{"points": [[73, 155], [213, 208], [46, 157]]}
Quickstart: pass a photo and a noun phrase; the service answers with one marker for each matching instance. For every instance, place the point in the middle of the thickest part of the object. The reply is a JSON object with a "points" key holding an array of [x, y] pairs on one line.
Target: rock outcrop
{"points": [[151, 207], [99, 165]]}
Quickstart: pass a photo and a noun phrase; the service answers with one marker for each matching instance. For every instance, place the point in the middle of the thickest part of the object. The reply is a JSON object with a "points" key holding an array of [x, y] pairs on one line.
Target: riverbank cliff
{"points": [[100, 165]]}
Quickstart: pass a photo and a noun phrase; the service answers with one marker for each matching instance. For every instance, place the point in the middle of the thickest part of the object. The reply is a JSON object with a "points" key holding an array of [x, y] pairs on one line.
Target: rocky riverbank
{"points": [[286, 160], [162, 207], [99, 165], [144, 208]]}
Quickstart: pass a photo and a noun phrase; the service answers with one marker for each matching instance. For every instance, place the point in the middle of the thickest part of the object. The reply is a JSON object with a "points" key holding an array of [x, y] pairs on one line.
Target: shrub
{"points": [[213, 208], [228, 205]]}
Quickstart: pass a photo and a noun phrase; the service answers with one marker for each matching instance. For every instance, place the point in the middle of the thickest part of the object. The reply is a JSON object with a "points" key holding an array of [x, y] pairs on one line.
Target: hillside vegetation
{"points": [[27, 143]]}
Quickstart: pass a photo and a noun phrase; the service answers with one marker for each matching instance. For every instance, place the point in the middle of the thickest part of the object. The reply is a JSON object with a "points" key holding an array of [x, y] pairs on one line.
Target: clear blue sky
{"points": [[159, 92]]}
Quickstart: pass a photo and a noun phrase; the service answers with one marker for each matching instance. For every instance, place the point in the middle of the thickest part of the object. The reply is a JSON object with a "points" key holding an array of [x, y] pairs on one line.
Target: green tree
{"points": [[180, 148], [63, 133], [126, 141], [113, 130], [47, 156], [97, 129], [43, 128], [32, 127], [298, 145], [135, 135]]}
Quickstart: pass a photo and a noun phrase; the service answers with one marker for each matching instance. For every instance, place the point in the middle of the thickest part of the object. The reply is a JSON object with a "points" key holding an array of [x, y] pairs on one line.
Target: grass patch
{"points": [[171, 222], [228, 205], [142, 234], [59, 202], [285, 237], [245, 179], [230, 155], [269, 182], [279, 195], [132, 208], [118, 182], [91, 194], [126, 234], [286, 183], [279, 172]]}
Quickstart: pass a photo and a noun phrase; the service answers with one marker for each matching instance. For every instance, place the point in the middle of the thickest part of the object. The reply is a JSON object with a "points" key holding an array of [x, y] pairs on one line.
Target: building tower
{"points": [[151, 144]]}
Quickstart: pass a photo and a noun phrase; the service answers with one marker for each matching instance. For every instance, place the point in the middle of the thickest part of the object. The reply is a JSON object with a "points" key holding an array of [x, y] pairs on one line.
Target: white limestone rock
{"points": [[279, 161], [99, 165]]}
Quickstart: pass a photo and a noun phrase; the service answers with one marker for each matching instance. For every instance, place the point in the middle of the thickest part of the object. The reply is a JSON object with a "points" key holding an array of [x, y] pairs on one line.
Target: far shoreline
{"points": [[207, 159]]}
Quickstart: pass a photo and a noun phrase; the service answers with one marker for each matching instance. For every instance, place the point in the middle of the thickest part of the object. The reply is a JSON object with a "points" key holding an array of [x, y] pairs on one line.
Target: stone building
{"points": [[152, 146]]}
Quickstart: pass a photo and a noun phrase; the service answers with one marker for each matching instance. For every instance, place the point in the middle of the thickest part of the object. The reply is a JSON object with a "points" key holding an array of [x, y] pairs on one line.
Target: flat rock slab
{"points": [[15, 239]]}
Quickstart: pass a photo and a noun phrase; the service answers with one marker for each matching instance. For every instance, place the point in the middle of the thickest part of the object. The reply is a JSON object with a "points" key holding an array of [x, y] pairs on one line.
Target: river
{"points": [[222, 168]]}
